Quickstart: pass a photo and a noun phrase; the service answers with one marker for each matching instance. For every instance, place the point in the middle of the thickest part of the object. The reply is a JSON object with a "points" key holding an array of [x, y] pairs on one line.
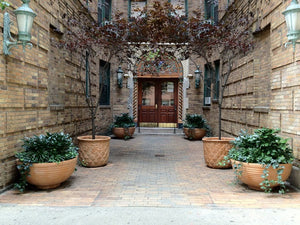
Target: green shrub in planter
{"points": [[123, 127], [49, 148], [264, 147], [197, 121], [124, 120]]}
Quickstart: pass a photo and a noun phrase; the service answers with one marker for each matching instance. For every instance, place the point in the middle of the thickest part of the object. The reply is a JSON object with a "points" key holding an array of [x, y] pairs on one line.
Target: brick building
{"points": [[40, 90]]}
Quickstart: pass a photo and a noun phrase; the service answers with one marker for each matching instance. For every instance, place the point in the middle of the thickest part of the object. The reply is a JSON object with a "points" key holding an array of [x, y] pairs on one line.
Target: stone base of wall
{"points": [[294, 179]]}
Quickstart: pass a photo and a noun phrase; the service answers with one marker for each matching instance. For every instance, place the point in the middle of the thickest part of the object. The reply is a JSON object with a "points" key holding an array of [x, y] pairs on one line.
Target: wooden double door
{"points": [[158, 100]]}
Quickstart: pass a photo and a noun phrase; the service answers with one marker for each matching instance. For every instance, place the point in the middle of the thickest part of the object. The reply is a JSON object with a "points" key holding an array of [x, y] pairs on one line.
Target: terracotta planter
{"points": [[93, 152], [50, 175], [194, 133], [215, 150], [121, 132], [250, 174]]}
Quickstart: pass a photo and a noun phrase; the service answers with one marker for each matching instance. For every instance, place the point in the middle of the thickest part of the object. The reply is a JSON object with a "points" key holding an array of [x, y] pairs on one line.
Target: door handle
{"points": [[155, 106]]}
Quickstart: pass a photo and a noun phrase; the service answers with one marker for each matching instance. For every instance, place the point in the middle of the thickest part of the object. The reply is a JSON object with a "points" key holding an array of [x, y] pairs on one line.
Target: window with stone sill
{"points": [[104, 11], [216, 80], [207, 86], [181, 7], [211, 10], [135, 7], [104, 83]]}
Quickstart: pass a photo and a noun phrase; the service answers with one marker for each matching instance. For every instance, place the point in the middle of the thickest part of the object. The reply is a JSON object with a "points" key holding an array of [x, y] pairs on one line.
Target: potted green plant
{"points": [[47, 160], [123, 126], [262, 160], [195, 127]]}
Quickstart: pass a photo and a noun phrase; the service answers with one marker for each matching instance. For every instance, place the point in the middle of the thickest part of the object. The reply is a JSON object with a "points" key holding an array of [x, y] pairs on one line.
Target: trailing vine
{"points": [[24, 169], [264, 147], [266, 183]]}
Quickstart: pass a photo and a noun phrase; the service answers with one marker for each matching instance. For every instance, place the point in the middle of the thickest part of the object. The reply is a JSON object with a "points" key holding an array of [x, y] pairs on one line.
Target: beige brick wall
{"points": [[44, 76], [263, 90]]}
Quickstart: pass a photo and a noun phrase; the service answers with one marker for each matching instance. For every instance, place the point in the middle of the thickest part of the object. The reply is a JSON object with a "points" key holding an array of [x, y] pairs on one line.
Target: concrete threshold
{"points": [[158, 131]]}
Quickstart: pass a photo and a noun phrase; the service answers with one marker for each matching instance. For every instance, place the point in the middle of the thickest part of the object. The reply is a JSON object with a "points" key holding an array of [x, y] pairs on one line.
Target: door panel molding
{"points": [[159, 111]]}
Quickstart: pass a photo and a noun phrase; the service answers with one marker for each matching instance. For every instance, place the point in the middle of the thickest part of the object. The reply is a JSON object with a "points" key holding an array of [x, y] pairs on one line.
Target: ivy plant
{"points": [[266, 148], [49, 148]]}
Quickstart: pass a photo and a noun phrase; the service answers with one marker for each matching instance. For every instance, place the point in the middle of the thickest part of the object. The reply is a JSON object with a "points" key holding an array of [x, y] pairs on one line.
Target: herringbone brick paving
{"points": [[157, 171]]}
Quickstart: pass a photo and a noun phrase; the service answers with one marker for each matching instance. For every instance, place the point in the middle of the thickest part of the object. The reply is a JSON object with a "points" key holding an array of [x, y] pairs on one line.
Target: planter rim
{"points": [[255, 164], [194, 128], [97, 138], [122, 127], [216, 139], [44, 163]]}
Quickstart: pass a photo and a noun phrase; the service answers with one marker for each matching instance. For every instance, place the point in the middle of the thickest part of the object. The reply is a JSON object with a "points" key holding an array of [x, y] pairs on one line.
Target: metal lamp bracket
{"points": [[8, 40], [291, 43]]}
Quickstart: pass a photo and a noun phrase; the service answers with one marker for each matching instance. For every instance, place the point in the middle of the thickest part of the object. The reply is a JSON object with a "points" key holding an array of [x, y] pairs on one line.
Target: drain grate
{"points": [[159, 155]]}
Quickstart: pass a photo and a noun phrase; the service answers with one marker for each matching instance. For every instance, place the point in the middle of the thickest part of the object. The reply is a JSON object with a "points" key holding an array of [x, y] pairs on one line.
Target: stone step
{"points": [[158, 131]]}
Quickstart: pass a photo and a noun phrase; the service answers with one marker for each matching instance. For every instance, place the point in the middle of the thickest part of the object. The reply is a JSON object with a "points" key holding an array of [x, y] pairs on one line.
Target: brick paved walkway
{"points": [[158, 171]]}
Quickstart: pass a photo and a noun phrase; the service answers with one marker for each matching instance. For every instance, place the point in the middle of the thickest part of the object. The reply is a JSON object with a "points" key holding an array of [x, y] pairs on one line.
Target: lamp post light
{"points": [[292, 18], [197, 77], [120, 77], [25, 16]]}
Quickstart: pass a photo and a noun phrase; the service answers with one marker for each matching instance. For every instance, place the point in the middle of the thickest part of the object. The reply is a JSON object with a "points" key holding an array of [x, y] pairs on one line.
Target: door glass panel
{"points": [[167, 93], [148, 93]]}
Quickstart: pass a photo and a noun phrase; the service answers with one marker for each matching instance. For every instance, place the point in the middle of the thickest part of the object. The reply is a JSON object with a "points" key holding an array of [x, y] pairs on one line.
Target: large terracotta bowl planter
{"points": [[250, 173], [194, 133], [124, 133], [215, 150], [93, 152], [50, 175]]}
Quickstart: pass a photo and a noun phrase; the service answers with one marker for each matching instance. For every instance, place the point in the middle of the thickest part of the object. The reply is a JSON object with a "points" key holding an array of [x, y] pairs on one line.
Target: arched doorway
{"points": [[159, 92]]}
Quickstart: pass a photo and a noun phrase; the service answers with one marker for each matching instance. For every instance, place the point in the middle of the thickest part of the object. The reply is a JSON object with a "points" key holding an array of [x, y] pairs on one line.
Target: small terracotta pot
{"points": [[121, 132], [194, 133], [93, 152], [50, 175], [250, 173], [215, 150]]}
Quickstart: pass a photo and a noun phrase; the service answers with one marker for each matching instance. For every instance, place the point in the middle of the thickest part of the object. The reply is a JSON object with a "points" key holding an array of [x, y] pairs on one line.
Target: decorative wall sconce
{"points": [[197, 77], [25, 16], [292, 18], [120, 77]]}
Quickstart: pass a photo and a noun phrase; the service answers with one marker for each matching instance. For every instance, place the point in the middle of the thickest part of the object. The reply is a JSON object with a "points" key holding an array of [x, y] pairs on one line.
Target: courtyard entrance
{"points": [[158, 92], [158, 102]]}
